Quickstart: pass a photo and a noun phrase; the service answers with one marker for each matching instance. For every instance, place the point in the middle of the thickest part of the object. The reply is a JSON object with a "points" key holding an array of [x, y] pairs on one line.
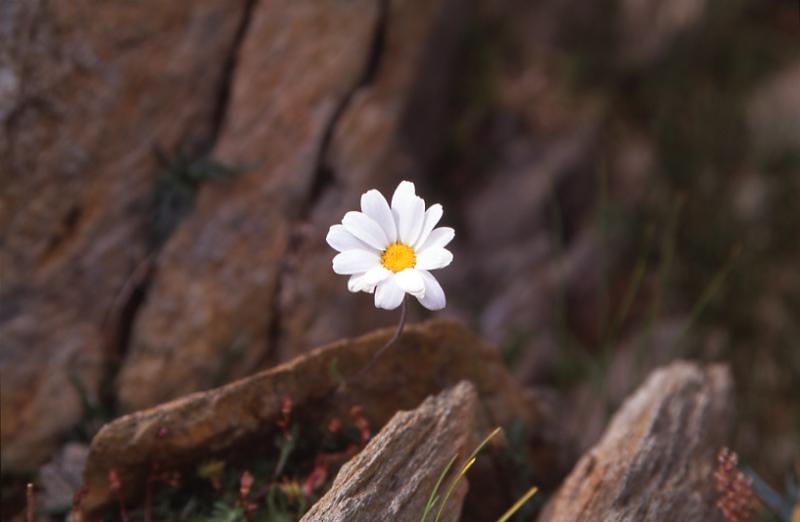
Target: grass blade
{"points": [[484, 443], [434, 497], [452, 487], [518, 504]]}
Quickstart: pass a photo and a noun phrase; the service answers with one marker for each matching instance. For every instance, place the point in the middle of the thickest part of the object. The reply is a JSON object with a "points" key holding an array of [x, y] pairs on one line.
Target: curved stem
{"points": [[389, 343]]}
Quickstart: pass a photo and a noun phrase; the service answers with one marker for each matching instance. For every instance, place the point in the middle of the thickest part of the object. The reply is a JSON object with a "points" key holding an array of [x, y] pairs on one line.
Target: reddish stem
{"points": [[29, 501], [122, 513], [383, 349]]}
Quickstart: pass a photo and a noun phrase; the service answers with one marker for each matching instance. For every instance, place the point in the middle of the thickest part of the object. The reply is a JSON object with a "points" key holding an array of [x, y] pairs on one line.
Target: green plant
{"points": [[175, 189], [434, 498]]}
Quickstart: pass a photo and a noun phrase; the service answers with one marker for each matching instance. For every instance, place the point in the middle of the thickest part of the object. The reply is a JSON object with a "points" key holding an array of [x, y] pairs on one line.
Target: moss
{"points": [[175, 189]]}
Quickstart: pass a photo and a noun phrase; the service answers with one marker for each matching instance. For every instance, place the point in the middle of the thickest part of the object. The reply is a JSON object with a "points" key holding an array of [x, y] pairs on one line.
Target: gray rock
{"points": [[60, 478], [393, 477], [773, 112], [656, 459]]}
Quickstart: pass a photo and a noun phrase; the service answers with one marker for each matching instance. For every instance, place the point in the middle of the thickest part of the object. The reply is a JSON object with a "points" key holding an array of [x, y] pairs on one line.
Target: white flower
{"points": [[390, 251]]}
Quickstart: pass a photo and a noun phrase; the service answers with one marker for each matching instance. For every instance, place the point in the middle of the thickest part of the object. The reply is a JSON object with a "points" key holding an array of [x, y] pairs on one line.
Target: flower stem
{"points": [[379, 353]]}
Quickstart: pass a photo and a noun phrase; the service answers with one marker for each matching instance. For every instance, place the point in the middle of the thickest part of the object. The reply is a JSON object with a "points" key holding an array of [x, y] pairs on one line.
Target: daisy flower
{"points": [[390, 251]]}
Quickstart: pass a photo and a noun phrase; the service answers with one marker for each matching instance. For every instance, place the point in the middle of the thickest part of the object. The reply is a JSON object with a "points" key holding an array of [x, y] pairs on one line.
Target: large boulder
{"points": [[88, 90], [657, 457]]}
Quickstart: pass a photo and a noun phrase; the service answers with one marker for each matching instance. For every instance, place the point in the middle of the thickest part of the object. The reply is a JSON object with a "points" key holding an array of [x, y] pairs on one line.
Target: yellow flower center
{"points": [[398, 256]]}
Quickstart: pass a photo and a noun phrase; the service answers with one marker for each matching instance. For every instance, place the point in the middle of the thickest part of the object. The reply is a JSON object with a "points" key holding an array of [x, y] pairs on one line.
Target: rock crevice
{"points": [[324, 172]]}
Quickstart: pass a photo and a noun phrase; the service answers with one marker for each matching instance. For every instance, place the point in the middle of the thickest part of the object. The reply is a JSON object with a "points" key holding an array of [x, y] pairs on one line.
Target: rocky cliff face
{"points": [[90, 90], [299, 102], [319, 113]]}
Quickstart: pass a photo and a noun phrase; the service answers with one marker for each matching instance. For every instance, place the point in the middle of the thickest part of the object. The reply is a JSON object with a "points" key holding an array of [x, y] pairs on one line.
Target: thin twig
{"points": [[379, 353], [116, 485], [29, 498], [245, 483]]}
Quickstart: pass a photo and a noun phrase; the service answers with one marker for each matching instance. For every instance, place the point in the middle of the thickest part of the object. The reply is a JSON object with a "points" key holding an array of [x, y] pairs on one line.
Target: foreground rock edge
{"points": [[394, 475]]}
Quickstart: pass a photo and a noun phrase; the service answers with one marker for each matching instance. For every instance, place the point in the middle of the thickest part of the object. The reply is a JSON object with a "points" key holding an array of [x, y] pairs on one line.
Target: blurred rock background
{"points": [[623, 177]]}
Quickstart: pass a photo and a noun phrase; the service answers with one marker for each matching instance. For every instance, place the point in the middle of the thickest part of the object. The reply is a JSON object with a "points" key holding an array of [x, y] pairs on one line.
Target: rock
{"points": [[648, 27], [317, 118], [590, 411], [220, 419], [89, 90], [656, 459], [213, 297], [773, 112], [393, 477], [60, 478]]}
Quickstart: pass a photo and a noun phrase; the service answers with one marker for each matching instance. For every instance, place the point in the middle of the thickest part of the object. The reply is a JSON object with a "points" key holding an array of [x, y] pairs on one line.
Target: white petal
{"points": [[355, 262], [356, 284], [366, 282], [410, 281], [366, 229], [375, 206], [388, 295], [432, 216], [440, 237], [374, 276], [404, 190], [409, 212], [433, 258], [433, 298], [340, 239]]}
